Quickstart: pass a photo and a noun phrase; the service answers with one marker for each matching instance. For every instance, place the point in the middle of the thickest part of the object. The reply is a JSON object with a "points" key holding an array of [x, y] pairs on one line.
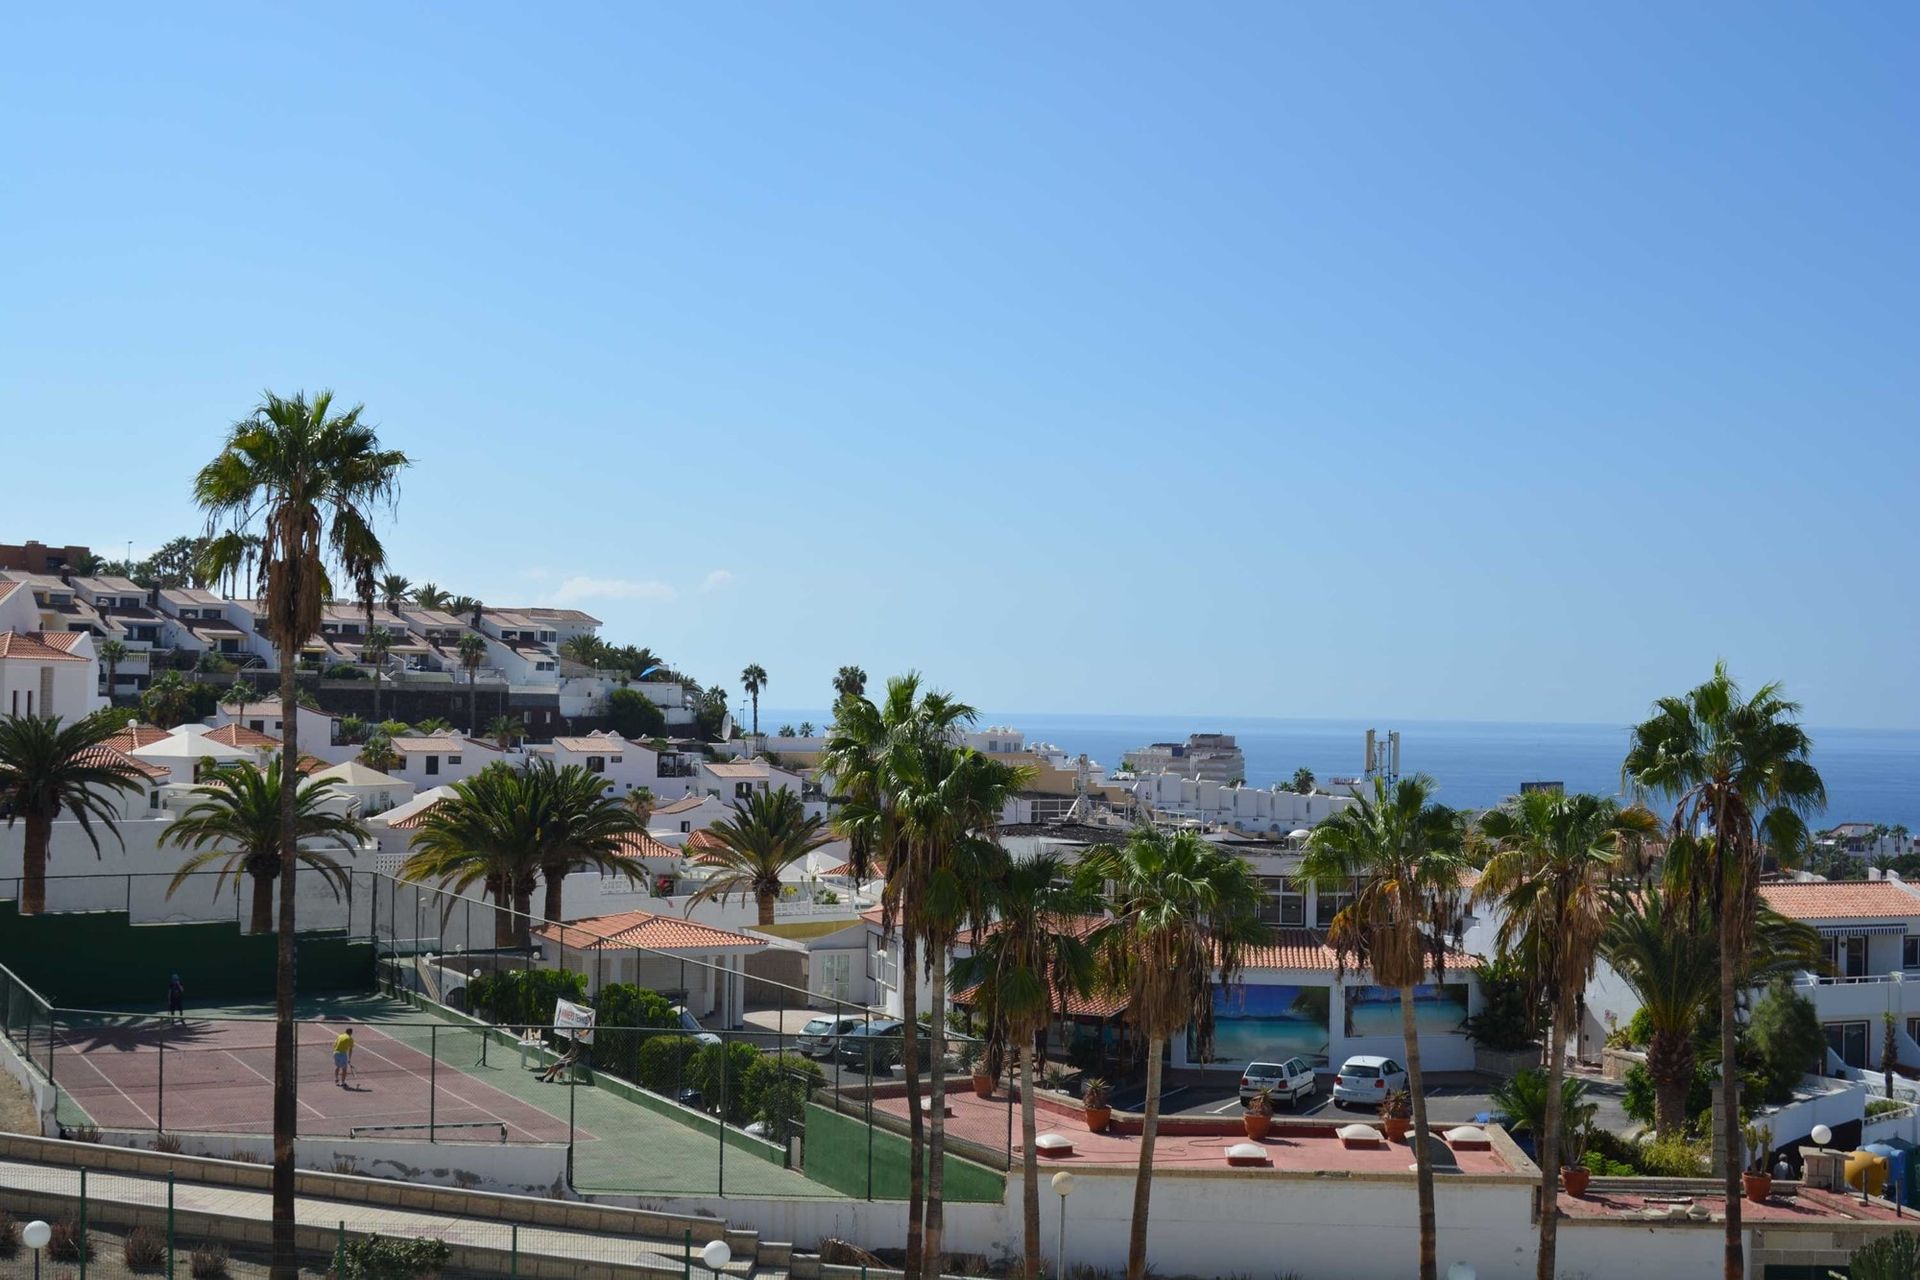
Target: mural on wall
{"points": [[1263, 1023], [1438, 1009]]}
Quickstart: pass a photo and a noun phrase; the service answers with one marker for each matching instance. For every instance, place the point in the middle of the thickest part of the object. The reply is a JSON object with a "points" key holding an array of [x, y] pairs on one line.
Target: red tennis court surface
{"points": [[217, 1077]]}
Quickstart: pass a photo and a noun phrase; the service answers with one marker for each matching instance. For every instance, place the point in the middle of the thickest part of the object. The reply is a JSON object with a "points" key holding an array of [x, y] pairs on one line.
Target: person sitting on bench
{"points": [[561, 1063]]}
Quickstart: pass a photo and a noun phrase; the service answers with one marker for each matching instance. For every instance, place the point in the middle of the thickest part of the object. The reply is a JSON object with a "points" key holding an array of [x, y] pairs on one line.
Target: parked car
{"points": [[1365, 1079], [691, 1025], [821, 1035], [873, 1045], [1287, 1081]]}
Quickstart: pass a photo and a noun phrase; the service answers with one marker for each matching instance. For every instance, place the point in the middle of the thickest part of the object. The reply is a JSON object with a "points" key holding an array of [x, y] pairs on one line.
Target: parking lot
{"points": [[1451, 1099]]}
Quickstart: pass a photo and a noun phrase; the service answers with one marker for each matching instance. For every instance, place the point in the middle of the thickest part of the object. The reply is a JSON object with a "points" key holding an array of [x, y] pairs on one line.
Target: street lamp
{"points": [[716, 1254], [35, 1236], [1063, 1187]]}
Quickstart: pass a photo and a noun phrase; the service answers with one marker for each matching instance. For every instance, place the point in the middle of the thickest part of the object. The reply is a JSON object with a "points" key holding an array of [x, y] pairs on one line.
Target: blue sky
{"points": [[1491, 361]]}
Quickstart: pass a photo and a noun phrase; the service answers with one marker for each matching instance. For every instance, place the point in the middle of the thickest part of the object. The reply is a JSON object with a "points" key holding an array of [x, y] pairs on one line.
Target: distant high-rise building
{"points": [[1212, 757]]}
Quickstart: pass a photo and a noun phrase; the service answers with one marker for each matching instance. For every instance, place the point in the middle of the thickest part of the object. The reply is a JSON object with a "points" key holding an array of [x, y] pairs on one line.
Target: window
{"points": [[433, 764], [686, 827], [1849, 1041], [616, 759], [453, 759], [1328, 905], [1283, 904], [596, 764], [1910, 952]]}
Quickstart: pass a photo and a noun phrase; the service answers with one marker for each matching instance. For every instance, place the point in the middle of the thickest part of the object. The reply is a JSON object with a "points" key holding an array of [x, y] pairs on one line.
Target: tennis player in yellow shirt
{"points": [[342, 1056]]}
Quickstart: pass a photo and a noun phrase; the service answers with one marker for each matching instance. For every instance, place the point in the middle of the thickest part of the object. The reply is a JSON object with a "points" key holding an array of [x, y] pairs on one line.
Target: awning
{"points": [[1862, 930]]}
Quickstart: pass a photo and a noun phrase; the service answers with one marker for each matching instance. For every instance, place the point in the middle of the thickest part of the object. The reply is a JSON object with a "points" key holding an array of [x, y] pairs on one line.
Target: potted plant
{"points": [[1574, 1174], [1757, 1182], [973, 1054], [1396, 1112], [1259, 1114], [1093, 1096]]}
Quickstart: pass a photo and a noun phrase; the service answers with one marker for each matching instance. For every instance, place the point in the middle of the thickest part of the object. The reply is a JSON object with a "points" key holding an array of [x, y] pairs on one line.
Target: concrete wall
{"points": [[513, 1168]]}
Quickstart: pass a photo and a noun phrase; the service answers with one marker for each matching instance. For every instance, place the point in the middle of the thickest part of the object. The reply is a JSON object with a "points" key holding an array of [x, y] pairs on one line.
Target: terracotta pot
{"points": [[982, 1085], [1575, 1178], [1397, 1126], [1098, 1118], [1758, 1186], [1257, 1124]]}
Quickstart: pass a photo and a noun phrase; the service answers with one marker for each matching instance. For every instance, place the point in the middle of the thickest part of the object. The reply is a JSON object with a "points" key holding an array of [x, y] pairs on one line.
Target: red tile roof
{"points": [[1308, 949], [414, 820], [645, 931], [135, 736], [238, 735], [33, 645], [1840, 899], [110, 757], [65, 641], [640, 845]]}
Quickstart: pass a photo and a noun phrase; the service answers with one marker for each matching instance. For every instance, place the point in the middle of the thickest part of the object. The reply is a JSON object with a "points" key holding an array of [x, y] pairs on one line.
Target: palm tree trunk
{"points": [[1143, 1179], [1550, 1149], [285, 1085], [523, 912], [916, 1119], [1029, 1163], [262, 917], [1734, 1263], [473, 700], [502, 915], [937, 1115], [765, 902], [1670, 1063], [33, 864], [376, 692], [1423, 1164], [555, 879]]}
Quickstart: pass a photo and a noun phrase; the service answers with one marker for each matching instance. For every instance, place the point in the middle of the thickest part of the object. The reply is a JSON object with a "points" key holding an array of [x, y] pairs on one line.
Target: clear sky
{"points": [[1481, 361]]}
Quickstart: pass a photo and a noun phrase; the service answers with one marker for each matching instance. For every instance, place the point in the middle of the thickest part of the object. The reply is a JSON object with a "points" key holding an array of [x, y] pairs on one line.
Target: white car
{"points": [[1287, 1081], [1366, 1079], [820, 1035]]}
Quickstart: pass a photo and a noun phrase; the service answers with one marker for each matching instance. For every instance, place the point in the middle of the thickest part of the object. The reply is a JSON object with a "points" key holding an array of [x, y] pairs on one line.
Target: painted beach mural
{"points": [[1438, 1009], [1268, 1023]]}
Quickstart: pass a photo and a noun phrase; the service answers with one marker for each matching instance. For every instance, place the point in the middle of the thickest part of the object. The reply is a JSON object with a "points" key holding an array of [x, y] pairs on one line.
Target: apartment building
{"points": [[44, 670]]}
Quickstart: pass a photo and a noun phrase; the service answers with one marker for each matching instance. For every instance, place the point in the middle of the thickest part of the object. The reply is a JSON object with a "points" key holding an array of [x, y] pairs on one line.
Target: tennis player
{"points": [[342, 1056]]}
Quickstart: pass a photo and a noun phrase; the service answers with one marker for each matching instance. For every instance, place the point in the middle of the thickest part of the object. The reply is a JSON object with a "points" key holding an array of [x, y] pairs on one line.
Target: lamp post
{"points": [[1063, 1187], [715, 1254], [1893, 982], [35, 1236]]}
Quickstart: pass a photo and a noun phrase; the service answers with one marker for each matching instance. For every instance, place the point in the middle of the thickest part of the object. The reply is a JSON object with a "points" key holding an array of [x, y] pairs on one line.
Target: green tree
{"points": [[1303, 781], [488, 832], [379, 645], [753, 680], [634, 715], [465, 607], [768, 832], [1401, 854], [710, 713], [587, 650], [583, 828], [306, 480], [1533, 1106], [113, 653], [1551, 864], [849, 682], [1033, 959], [502, 730], [473, 652], [1785, 1032], [236, 822], [1739, 770], [393, 591], [46, 767], [180, 562], [428, 596], [1184, 915], [171, 699], [236, 696]]}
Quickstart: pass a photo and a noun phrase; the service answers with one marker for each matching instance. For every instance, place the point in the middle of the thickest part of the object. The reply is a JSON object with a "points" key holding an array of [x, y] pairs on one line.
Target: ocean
{"points": [[1872, 775]]}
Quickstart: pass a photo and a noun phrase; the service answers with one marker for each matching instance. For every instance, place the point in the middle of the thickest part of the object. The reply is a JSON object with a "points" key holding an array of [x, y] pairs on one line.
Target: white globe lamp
{"points": [[35, 1235], [1821, 1135], [715, 1254]]}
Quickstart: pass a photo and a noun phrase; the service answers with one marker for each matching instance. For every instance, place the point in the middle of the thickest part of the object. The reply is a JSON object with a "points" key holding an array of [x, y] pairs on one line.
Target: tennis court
{"points": [[210, 1074]]}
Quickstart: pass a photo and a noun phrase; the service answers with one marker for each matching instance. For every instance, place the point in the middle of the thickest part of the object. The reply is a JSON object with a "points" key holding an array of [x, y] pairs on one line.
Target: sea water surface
{"points": [[1872, 775]]}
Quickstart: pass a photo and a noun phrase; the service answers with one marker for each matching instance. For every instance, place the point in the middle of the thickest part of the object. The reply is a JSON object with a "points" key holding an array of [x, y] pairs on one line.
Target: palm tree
{"points": [[641, 800], [393, 590], [1552, 859], [849, 682], [473, 652], [1303, 781], [504, 729], [1401, 855], [1737, 769], [464, 607], [806, 728], [768, 832], [428, 596], [378, 752], [1184, 916], [584, 829], [46, 767], [587, 650], [236, 822], [1032, 960], [488, 832], [113, 653], [307, 480], [237, 695], [753, 679], [379, 645], [168, 700]]}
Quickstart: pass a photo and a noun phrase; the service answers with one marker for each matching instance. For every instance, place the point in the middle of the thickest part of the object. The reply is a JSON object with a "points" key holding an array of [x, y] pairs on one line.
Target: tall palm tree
{"points": [[1401, 855], [307, 480], [393, 591], [1553, 857], [47, 766], [768, 832], [236, 822], [466, 608], [237, 695], [113, 653], [869, 757], [488, 832], [1740, 770], [428, 596], [849, 682], [504, 729], [168, 700], [1028, 964], [584, 828], [587, 650], [379, 645], [641, 800], [753, 679], [1184, 915], [473, 651]]}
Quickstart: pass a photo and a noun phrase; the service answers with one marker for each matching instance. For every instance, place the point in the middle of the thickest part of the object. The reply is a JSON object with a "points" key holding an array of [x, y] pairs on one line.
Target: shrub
{"points": [[1509, 1018], [68, 1242], [661, 1063], [84, 1133], [525, 997], [783, 1108], [719, 1071], [634, 715], [1881, 1106], [144, 1247], [9, 1234], [1673, 1157], [386, 1258], [209, 1261], [1787, 1038], [167, 1143], [774, 1069], [1894, 1256], [624, 1005], [1637, 1101], [344, 671]]}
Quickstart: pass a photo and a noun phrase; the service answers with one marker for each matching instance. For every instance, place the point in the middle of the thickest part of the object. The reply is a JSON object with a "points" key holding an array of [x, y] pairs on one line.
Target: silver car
{"points": [[820, 1035]]}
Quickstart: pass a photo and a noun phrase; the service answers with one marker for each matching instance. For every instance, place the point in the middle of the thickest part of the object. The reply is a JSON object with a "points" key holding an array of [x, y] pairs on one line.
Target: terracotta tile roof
{"points": [[1308, 949], [65, 641], [645, 931], [681, 805], [1097, 1004], [135, 736], [612, 742], [705, 842], [106, 756], [8, 587], [641, 845], [34, 646], [238, 735], [415, 820], [743, 769], [1840, 899], [441, 743]]}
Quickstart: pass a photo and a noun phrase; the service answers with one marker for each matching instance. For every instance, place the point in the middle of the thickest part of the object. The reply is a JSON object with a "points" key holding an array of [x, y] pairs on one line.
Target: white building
{"points": [[1254, 810], [43, 672], [438, 759], [627, 765], [1215, 757]]}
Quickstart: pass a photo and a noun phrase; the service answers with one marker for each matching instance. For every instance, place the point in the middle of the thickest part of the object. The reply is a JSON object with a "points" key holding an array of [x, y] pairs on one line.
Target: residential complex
{"points": [[1211, 757]]}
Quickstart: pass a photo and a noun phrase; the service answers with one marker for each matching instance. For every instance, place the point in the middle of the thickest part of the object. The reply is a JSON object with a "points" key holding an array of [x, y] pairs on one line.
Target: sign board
{"points": [[574, 1020]]}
